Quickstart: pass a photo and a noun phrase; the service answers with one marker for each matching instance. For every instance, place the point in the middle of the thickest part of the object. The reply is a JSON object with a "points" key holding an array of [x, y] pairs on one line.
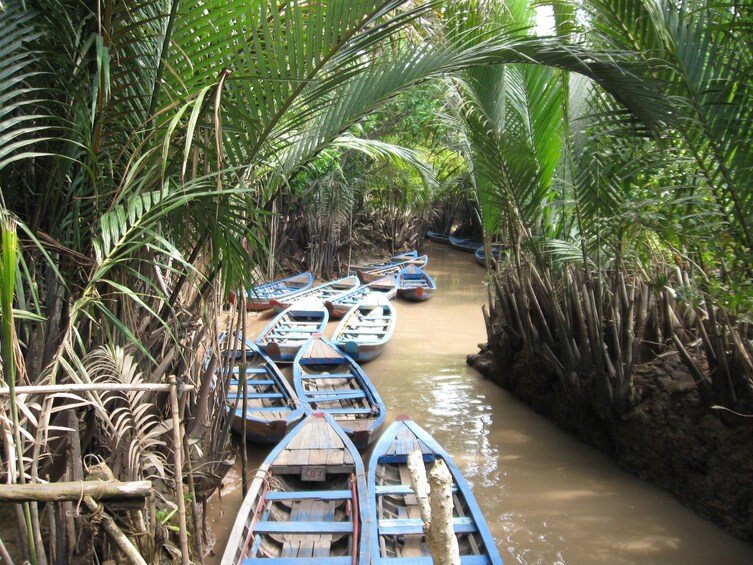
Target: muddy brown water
{"points": [[548, 498]]}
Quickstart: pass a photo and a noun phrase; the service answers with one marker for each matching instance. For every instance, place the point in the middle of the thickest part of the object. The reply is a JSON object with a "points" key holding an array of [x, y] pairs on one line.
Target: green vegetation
{"points": [[155, 155]]}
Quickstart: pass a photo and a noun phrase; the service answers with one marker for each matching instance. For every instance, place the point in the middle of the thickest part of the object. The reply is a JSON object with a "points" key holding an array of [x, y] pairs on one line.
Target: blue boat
{"points": [[366, 328], [258, 297], [438, 237], [497, 252], [307, 504], [328, 380], [370, 275], [399, 258], [289, 330], [415, 284], [338, 307], [396, 526], [464, 244], [270, 406], [323, 292]]}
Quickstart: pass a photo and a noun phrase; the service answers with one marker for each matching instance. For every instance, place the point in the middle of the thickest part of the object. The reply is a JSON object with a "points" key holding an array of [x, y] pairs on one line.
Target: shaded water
{"points": [[547, 497]]}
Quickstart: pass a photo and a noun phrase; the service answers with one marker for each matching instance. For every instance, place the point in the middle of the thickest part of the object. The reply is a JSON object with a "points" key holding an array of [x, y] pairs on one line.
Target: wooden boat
{"points": [[396, 525], [399, 258], [438, 237], [327, 379], [258, 297], [370, 275], [415, 284], [307, 503], [270, 406], [366, 328], [464, 244], [386, 286], [290, 329], [322, 292], [497, 251]]}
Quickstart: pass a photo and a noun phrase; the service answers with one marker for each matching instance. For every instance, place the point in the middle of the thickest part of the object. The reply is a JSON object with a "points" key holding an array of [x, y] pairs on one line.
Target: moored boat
{"points": [[325, 291], [464, 244], [415, 284], [270, 406], [366, 328], [290, 329], [378, 264], [497, 252], [396, 524], [258, 297], [438, 237], [307, 503], [338, 307], [370, 275], [328, 380]]}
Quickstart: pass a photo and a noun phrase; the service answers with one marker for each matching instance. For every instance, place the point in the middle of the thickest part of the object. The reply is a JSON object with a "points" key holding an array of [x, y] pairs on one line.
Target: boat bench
{"points": [[264, 527], [251, 382], [329, 376], [311, 494], [398, 490], [250, 410], [401, 526], [255, 395], [325, 395], [336, 411], [249, 370], [299, 560], [464, 560]]}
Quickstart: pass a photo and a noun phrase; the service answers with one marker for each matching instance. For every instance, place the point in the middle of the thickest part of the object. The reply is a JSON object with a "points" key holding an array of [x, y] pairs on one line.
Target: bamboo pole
{"points": [[177, 446], [99, 387], [74, 490], [117, 536]]}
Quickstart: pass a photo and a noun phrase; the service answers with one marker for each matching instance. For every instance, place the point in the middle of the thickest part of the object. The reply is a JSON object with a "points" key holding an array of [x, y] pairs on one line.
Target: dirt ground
{"points": [[703, 456]]}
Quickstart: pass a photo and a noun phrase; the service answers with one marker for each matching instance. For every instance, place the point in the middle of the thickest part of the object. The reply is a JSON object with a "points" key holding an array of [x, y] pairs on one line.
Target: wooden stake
{"points": [[117, 536], [441, 539], [72, 491], [177, 446]]}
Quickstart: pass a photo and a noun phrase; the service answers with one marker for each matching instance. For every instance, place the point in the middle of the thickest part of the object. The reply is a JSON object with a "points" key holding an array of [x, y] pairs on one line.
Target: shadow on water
{"points": [[548, 498]]}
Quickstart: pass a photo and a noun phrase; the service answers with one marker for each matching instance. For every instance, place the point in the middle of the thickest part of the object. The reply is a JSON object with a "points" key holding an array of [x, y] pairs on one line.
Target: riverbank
{"points": [[669, 438]]}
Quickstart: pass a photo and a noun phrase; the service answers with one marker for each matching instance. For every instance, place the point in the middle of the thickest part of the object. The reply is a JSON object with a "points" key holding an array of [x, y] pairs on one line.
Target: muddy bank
{"points": [[703, 457]]}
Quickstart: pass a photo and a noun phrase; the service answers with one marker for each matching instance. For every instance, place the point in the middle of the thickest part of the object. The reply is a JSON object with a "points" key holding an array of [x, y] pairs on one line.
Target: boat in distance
{"points": [[396, 526], [258, 297], [307, 503], [338, 307], [370, 275], [328, 380], [464, 244], [270, 406], [290, 329], [497, 253], [438, 237], [415, 284], [366, 328], [378, 264], [323, 292]]}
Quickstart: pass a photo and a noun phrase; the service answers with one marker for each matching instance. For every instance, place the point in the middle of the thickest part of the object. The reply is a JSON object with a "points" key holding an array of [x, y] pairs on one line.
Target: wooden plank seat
{"points": [[400, 526], [399, 490], [325, 395], [251, 409], [252, 382], [249, 370], [329, 376], [315, 494], [335, 411], [303, 527], [464, 560], [348, 560], [256, 395], [308, 329]]}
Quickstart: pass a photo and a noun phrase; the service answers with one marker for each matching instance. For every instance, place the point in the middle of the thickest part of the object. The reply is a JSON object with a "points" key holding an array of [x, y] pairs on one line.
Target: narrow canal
{"points": [[548, 498]]}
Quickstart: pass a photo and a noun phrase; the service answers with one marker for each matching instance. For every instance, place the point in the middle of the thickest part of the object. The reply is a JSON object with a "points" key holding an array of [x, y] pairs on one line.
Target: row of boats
{"points": [[312, 500], [468, 245]]}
